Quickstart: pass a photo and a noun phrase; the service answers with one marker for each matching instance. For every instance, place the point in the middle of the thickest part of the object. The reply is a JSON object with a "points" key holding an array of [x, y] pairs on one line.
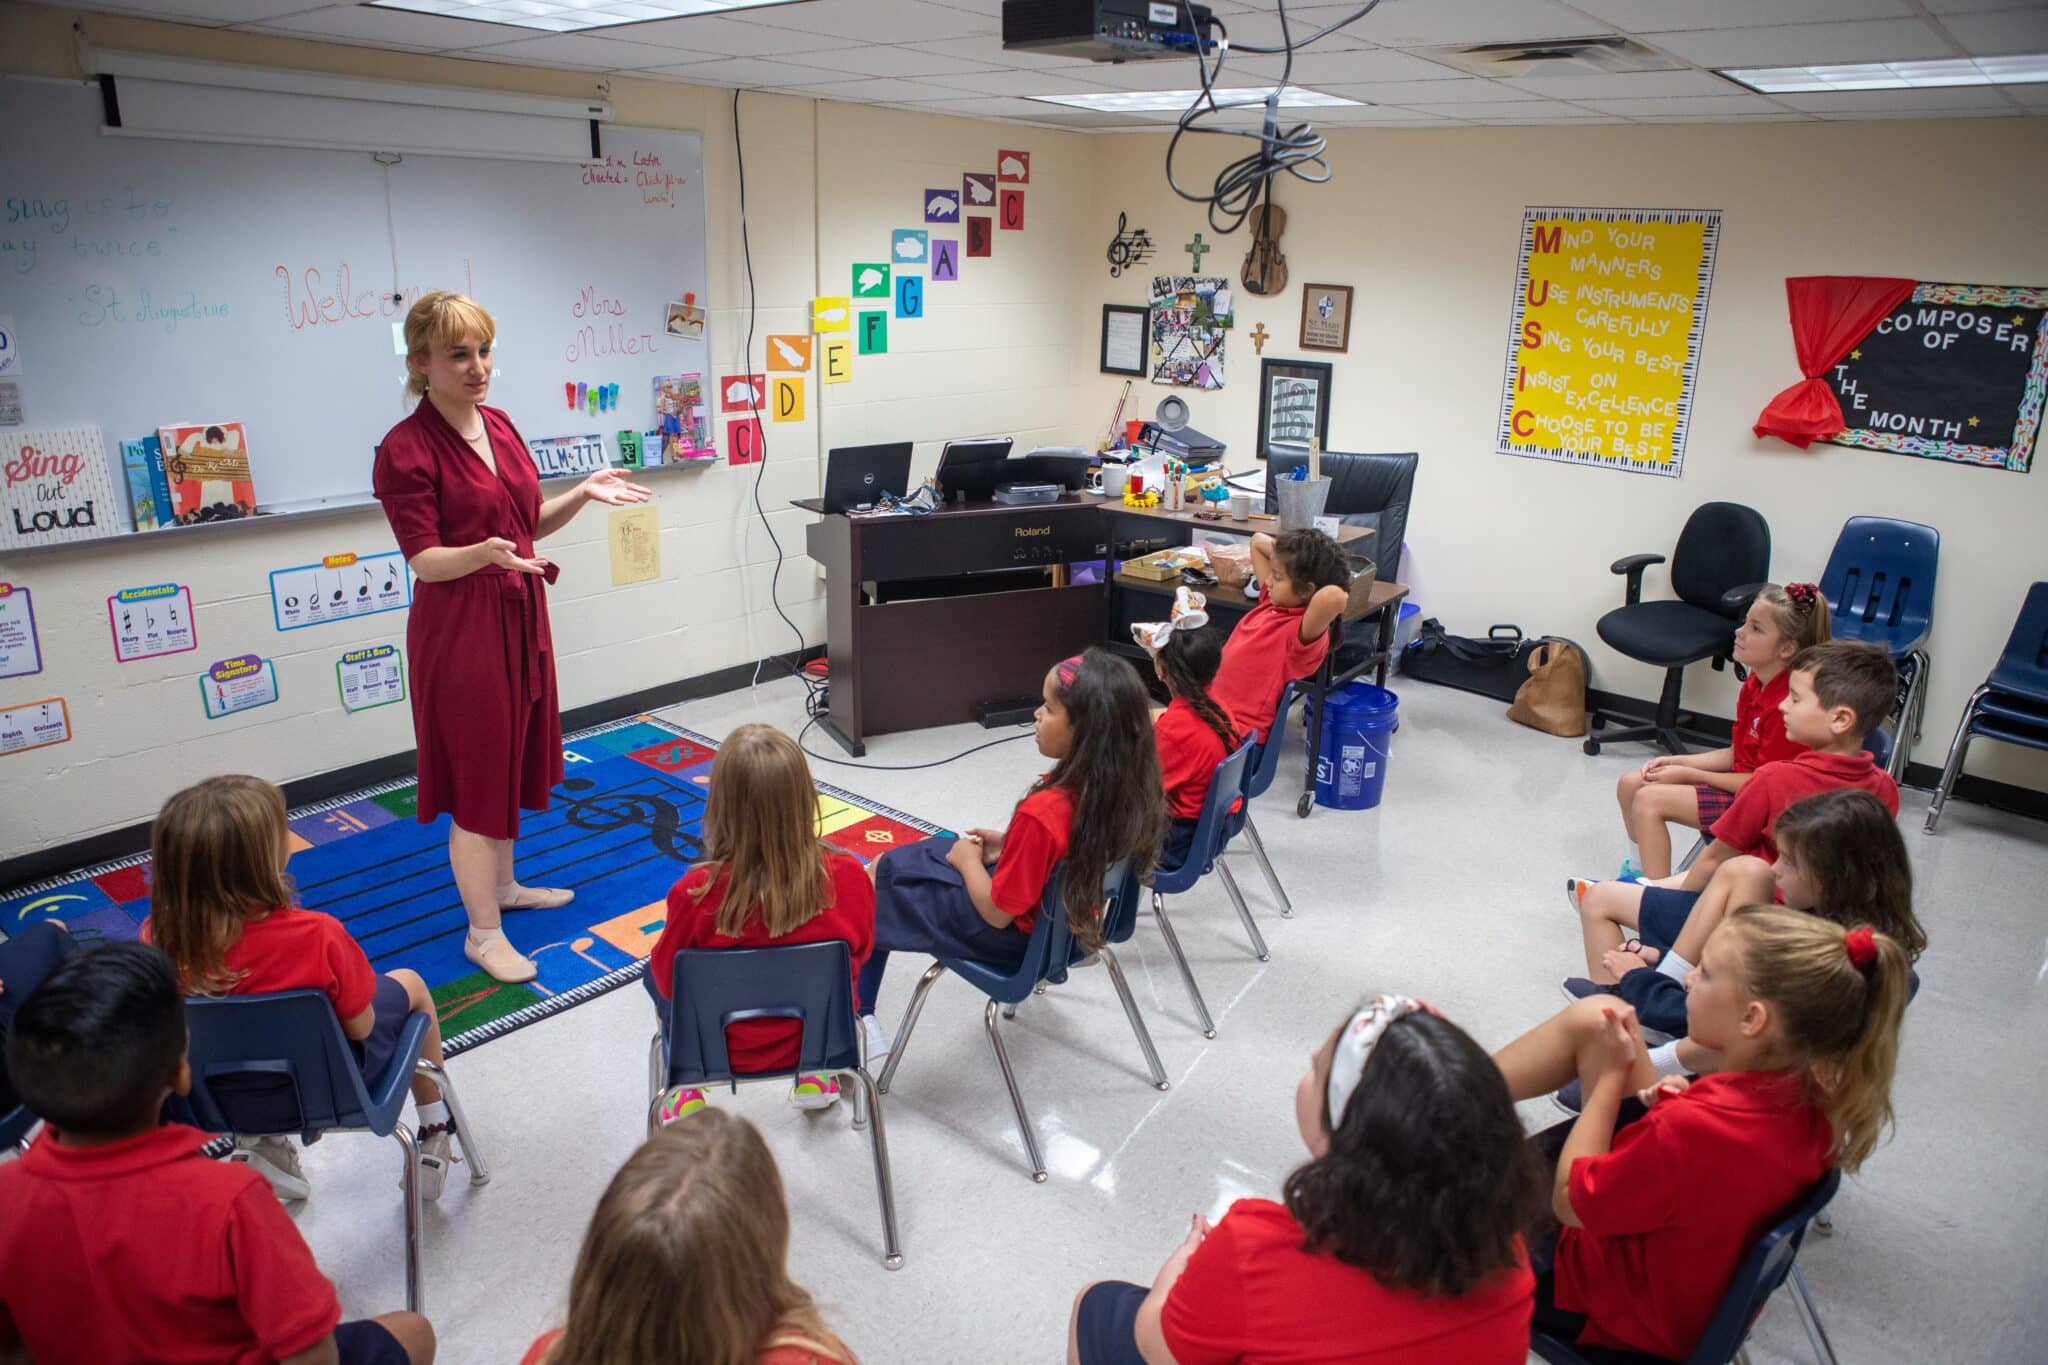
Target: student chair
{"points": [[1046, 959], [1258, 775], [1770, 1263], [808, 982], [1365, 490], [296, 1034], [18, 1122], [1879, 583], [1212, 832], [2012, 705], [1722, 559]]}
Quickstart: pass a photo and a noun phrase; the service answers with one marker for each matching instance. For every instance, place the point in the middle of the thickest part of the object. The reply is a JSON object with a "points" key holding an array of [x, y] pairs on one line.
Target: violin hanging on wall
{"points": [[1265, 269]]}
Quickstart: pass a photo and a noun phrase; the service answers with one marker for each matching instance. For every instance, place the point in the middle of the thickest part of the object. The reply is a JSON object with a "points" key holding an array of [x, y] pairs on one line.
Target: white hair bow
{"points": [[1190, 612], [1355, 1045]]}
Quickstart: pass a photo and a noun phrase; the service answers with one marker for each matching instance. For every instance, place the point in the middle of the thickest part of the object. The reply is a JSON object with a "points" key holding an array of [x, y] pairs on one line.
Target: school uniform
{"points": [[1747, 825], [1758, 738], [146, 1250], [922, 906], [485, 716], [762, 1044], [1252, 1292], [1263, 654], [1672, 1209], [1189, 751], [537, 1353]]}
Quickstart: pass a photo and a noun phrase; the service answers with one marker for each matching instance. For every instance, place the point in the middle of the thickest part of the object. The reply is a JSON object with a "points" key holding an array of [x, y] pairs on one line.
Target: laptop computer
{"points": [[973, 467], [857, 476]]}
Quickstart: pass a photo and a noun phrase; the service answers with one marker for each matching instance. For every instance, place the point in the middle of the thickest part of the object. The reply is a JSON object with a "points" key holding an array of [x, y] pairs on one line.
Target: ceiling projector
{"points": [[1106, 30]]}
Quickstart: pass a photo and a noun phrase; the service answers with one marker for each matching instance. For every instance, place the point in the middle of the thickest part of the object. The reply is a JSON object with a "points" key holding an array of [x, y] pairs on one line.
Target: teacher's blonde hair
{"points": [[442, 318]]}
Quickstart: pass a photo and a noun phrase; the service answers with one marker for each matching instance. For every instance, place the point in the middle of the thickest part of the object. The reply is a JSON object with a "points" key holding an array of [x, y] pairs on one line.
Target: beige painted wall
{"points": [[1425, 226], [994, 354]]}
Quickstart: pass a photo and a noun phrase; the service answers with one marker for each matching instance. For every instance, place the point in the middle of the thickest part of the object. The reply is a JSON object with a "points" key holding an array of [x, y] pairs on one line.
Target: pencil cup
{"points": [[1300, 501]]}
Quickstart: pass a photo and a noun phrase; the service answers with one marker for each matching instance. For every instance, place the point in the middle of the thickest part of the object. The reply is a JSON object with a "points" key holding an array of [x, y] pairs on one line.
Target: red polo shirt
{"points": [[1250, 1293], [1263, 654], [293, 949], [1747, 825], [144, 1250], [1671, 1211], [765, 1044], [1759, 734], [1034, 842], [1188, 754]]}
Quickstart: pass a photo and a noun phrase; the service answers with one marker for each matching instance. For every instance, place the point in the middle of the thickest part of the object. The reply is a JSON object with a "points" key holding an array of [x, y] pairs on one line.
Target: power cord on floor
{"points": [[895, 767]]}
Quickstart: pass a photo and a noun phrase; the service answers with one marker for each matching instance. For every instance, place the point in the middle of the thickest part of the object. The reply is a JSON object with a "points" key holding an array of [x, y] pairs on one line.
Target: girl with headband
{"points": [[977, 896], [1193, 733], [1695, 790], [1398, 1240], [1662, 1186]]}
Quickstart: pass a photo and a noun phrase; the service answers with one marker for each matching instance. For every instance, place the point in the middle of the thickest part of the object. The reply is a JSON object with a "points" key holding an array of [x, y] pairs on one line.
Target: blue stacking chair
{"points": [[1212, 831], [811, 983], [1770, 1263], [1046, 959], [1258, 775], [296, 1034], [15, 1126], [1879, 584], [2012, 705]]}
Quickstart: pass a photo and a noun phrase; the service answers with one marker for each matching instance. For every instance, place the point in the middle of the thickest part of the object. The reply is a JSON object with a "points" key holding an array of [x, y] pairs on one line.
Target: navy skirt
{"points": [[922, 906], [1174, 849]]}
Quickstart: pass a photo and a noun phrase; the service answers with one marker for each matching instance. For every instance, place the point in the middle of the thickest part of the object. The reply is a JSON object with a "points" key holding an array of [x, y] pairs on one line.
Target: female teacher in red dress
{"points": [[463, 497]]}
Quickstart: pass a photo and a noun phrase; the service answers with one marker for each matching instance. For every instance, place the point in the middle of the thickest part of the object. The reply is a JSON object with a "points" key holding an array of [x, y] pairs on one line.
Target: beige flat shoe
{"points": [[500, 960], [537, 898]]}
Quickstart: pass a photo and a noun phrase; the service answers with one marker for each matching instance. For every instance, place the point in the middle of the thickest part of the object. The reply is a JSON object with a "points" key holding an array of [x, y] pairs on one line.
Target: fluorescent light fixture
{"points": [[1173, 101], [571, 16], [1925, 75]]}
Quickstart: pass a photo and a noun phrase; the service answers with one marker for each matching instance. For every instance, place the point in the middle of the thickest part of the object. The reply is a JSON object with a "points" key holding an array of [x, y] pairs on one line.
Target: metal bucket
{"points": [[1300, 502]]}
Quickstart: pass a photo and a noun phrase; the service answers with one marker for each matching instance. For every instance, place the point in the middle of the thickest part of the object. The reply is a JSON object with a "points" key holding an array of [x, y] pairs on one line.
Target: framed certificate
{"points": [[1123, 338], [1326, 317]]}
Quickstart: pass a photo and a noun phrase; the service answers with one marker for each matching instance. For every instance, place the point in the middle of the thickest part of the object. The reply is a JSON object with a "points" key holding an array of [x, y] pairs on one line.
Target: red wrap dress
{"points": [[484, 712]]}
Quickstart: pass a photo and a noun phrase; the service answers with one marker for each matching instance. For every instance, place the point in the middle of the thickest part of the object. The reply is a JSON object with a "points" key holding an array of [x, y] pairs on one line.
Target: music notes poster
{"points": [[339, 588], [1604, 341]]}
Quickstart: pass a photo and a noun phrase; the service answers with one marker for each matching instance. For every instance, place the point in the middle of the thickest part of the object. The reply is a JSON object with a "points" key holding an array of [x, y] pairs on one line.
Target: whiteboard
{"points": [[154, 282]]}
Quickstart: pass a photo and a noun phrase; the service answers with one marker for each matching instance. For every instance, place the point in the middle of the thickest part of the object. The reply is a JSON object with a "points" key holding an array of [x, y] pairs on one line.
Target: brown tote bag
{"points": [[1553, 697]]}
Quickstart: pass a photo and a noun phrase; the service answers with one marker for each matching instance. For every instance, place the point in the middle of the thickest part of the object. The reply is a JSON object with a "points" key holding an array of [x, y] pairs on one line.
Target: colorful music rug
{"points": [[623, 828]]}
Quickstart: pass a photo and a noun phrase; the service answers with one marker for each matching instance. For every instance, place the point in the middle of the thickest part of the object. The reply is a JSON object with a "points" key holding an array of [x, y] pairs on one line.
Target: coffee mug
{"points": [[1240, 507], [1112, 478]]}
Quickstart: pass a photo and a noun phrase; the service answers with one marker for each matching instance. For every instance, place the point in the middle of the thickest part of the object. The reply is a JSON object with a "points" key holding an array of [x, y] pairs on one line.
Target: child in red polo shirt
{"points": [[1838, 693], [1399, 1241], [977, 896], [1305, 586], [1193, 733], [119, 1242], [1695, 790], [221, 909], [765, 878], [1660, 1206]]}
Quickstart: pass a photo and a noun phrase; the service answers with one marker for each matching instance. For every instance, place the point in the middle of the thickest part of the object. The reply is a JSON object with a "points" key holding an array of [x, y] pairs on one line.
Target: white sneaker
{"points": [[276, 1159], [879, 1043], [436, 1157]]}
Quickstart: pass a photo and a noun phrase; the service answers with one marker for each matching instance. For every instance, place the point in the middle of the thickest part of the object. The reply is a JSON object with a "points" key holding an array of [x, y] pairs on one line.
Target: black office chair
{"points": [[1365, 490], [1721, 563]]}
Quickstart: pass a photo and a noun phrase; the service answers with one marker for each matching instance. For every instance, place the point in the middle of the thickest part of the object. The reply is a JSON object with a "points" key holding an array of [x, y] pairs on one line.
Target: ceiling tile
{"points": [[2002, 112], [2001, 35], [1262, 27], [878, 88], [876, 21], [988, 49], [1626, 85], [572, 49], [1897, 101], [1663, 16], [1422, 23], [1382, 115], [1872, 40], [382, 27], [1416, 92], [1490, 109], [1688, 104], [1554, 117], [752, 73], [736, 37], [1150, 76], [210, 13], [1020, 83], [1780, 117], [1354, 67], [992, 106], [892, 61]]}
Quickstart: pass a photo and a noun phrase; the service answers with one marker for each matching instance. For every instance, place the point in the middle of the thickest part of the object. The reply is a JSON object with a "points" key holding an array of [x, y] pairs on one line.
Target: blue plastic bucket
{"points": [[1358, 730]]}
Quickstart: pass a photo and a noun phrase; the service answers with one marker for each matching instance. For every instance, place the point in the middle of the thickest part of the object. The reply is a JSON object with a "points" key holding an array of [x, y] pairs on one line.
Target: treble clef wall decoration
{"points": [[1131, 246]]}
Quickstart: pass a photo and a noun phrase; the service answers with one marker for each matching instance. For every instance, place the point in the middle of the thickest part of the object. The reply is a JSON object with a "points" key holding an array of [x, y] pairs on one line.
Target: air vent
{"points": [[1600, 55]]}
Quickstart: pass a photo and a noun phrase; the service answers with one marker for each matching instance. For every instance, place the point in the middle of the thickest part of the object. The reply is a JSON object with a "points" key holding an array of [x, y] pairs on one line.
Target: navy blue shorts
{"points": [[922, 906], [265, 1103], [364, 1342], [1180, 838], [1662, 916], [1106, 1331]]}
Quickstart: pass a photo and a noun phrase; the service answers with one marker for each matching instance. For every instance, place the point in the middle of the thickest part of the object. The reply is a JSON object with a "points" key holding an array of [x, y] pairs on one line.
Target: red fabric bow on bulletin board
{"points": [[1830, 314]]}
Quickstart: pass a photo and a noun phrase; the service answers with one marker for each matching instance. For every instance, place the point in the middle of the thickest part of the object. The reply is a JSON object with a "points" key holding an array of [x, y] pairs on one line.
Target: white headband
{"points": [[1355, 1045], [1189, 613]]}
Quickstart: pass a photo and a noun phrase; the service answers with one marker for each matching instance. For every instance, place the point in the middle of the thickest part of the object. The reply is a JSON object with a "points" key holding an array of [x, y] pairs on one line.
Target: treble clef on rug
{"points": [[606, 812]]}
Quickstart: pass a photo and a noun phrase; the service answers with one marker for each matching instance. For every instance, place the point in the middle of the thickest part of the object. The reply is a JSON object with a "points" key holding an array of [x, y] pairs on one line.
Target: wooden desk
{"points": [[1346, 535]]}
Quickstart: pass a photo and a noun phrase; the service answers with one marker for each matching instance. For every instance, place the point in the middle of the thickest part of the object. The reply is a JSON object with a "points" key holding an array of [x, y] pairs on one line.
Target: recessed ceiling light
{"points": [[1173, 101], [1926, 75], [571, 16]]}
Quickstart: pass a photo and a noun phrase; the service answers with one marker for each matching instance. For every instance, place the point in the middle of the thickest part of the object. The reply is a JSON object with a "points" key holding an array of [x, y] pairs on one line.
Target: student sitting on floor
{"points": [[765, 879], [1660, 1207], [686, 1259], [1695, 790], [221, 909], [119, 1241], [1305, 585], [976, 896], [1839, 856], [1838, 693], [1400, 1239], [1193, 733]]}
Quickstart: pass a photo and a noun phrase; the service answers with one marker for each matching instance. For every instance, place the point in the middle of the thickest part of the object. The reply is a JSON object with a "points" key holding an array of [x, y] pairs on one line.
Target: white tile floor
{"points": [[1447, 891]]}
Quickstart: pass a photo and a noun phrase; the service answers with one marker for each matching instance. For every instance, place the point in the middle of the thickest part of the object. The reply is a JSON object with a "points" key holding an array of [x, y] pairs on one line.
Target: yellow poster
{"points": [[786, 399], [1609, 308], [635, 536]]}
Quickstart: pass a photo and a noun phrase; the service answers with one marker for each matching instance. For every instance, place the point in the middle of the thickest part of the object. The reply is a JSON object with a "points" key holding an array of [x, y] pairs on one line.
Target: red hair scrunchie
{"points": [[1861, 947], [1803, 595]]}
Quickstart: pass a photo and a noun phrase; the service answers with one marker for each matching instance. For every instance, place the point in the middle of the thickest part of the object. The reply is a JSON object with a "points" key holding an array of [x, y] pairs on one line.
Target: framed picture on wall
{"points": [[1326, 317], [1294, 402], [1123, 338]]}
